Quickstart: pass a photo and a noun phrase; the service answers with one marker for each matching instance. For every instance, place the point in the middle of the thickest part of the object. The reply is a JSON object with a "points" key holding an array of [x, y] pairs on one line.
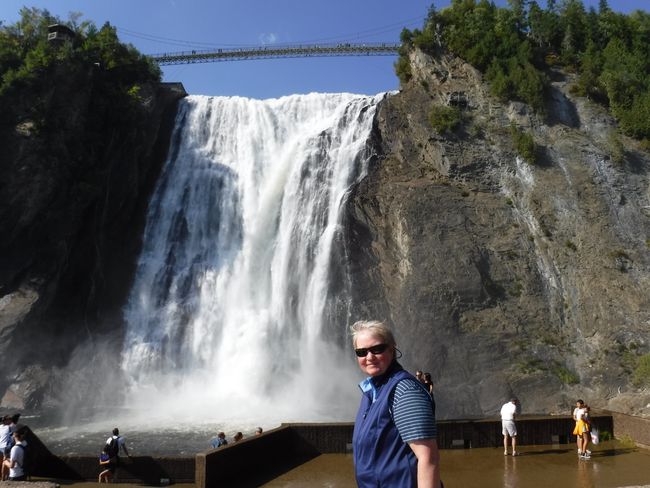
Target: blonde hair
{"points": [[376, 328]]}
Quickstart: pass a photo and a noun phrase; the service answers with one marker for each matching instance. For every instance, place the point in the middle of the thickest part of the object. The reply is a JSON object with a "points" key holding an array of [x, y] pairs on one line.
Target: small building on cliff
{"points": [[59, 33]]}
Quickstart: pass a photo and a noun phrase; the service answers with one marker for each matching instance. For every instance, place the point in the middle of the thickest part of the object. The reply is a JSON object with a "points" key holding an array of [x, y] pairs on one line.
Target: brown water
{"points": [[612, 465]]}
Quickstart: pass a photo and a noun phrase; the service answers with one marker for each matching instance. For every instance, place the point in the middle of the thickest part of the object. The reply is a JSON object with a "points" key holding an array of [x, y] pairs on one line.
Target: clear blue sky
{"points": [[153, 25]]}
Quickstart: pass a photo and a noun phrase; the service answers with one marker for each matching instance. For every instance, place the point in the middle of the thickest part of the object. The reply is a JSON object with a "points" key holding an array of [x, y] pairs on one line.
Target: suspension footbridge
{"points": [[272, 52]]}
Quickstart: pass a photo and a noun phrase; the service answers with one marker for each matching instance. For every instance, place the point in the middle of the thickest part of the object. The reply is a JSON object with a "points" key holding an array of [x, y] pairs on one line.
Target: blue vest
{"points": [[381, 457]]}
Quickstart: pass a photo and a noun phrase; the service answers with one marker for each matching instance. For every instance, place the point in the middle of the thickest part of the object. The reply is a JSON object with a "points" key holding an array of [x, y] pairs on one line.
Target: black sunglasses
{"points": [[378, 349]]}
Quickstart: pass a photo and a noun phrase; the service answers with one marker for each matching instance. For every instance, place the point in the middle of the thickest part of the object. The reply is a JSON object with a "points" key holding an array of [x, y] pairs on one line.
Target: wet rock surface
{"points": [[73, 194]]}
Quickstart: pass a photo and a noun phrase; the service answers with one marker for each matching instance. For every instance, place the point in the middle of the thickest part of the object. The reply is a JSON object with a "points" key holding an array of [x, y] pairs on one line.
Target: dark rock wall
{"points": [[73, 197], [502, 277]]}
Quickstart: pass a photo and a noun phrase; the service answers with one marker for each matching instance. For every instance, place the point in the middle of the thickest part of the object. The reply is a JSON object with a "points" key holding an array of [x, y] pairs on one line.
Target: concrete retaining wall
{"points": [[136, 469], [256, 460], [530, 430], [637, 428], [452, 434], [260, 459]]}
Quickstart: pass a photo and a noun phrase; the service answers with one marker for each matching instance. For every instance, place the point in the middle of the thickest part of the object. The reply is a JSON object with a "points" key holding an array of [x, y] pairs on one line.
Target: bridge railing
{"points": [[286, 51]]}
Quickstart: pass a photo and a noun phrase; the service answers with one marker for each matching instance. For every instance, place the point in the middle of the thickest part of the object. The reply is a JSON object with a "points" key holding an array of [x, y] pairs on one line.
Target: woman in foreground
{"points": [[394, 437]]}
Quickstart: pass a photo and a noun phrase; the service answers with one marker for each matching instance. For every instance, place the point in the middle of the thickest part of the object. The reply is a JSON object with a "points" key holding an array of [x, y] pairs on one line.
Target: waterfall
{"points": [[230, 315]]}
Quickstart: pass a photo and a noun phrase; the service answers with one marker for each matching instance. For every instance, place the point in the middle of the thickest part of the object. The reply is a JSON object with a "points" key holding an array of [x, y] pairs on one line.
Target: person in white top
{"points": [[119, 443], [509, 429], [582, 429], [7, 428], [5, 437], [17, 459]]}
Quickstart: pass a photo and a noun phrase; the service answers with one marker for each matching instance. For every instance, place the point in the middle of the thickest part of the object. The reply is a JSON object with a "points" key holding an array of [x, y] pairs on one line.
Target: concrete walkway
{"points": [[612, 465]]}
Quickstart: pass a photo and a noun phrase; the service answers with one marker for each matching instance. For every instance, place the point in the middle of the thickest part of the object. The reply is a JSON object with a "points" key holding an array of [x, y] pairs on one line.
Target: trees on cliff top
{"points": [[29, 64], [516, 46]]}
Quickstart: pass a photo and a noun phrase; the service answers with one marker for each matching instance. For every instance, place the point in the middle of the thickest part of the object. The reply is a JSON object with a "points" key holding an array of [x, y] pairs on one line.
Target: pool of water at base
{"points": [[612, 465]]}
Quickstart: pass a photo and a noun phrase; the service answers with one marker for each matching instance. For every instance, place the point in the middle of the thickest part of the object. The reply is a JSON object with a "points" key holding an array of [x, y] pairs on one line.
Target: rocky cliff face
{"points": [[500, 277], [73, 193], [503, 277]]}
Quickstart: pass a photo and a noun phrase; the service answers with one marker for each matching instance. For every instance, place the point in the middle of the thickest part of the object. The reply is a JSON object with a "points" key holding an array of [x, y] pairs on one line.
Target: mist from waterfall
{"points": [[231, 316]]}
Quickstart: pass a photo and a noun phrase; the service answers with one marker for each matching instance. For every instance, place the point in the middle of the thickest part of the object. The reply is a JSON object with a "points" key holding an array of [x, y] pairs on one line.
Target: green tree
{"points": [[603, 7], [623, 76], [29, 65], [445, 119], [515, 46], [635, 119], [403, 69], [432, 17], [518, 12], [641, 375], [544, 28], [524, 144], [591, 65], [573, 19]]}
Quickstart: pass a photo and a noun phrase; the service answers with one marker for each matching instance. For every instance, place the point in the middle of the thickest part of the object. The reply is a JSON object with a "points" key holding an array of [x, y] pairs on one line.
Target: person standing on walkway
{"points": [[5, 444], [582, 430], [219, 441], [508, 427], [106, 473], [394, 440], [16, 461], [7, 429], [114, 443]]}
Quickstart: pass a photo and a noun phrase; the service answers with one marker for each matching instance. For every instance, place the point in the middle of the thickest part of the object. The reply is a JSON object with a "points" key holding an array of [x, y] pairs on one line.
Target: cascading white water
{"points": [[227, 318]]}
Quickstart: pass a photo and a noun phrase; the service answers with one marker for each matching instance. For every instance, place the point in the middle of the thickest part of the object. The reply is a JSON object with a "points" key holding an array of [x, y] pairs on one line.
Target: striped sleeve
{"points": [[413, 412]]}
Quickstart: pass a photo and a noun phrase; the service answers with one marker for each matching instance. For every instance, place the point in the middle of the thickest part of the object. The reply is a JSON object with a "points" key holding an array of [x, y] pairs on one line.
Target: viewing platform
{"points": [[285, 452]]}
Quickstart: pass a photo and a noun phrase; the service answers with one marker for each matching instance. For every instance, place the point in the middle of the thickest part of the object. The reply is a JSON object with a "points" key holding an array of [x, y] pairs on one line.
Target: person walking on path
{"points": [[394, 439], [508, 427]]}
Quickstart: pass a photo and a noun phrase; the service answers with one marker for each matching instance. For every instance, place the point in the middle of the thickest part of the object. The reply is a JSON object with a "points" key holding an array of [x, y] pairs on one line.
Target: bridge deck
{"points": [[270, 52]]}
